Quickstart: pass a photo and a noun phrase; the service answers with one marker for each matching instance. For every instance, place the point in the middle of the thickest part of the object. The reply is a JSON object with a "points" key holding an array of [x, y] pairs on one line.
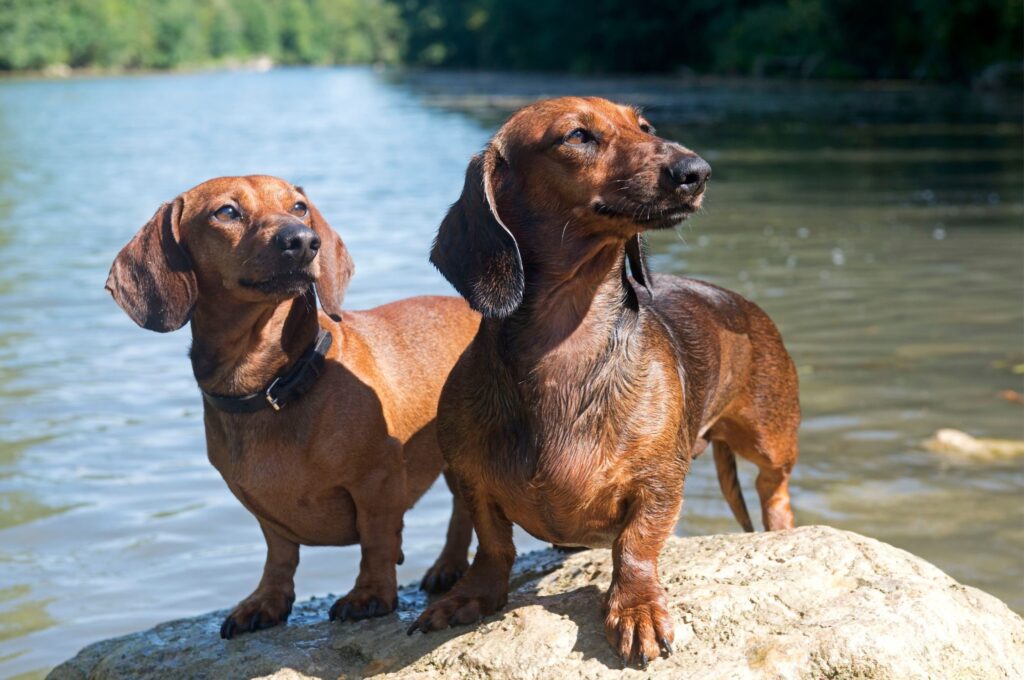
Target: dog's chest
{"points": [[563, 446], [575, 497], [281, 488], [568, 477]]}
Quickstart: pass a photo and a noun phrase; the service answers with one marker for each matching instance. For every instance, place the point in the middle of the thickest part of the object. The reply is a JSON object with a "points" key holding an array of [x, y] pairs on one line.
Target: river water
{"points": [[880, 227]]}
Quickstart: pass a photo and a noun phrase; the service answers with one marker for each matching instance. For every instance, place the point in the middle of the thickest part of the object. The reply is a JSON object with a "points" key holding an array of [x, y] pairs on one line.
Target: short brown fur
{"points": [[578, 406], [342, 464]]}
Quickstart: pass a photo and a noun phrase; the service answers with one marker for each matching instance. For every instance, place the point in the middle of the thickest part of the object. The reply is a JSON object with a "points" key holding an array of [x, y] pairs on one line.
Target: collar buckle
{"points": [[271, 399], [283, 389]]}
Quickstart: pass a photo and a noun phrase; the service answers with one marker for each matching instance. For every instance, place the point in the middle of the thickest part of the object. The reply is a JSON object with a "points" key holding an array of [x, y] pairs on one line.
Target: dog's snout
{"points": [[688, 174], [297, 242]]}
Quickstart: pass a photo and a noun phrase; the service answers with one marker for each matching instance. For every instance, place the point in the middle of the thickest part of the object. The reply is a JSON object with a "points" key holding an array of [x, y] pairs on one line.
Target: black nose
{"points": [[689, 174], [298, 243]]}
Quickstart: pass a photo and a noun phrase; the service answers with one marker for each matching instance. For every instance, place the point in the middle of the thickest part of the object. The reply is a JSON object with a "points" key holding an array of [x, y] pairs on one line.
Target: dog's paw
{"points": [[443, 575], [256, 612], [640, 632], [456, 609], [363, 603]]}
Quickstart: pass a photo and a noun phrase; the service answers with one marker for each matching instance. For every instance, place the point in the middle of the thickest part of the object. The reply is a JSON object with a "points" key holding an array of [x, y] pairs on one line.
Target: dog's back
{"points": [[738, 374], [722, 337], [407, 340]]}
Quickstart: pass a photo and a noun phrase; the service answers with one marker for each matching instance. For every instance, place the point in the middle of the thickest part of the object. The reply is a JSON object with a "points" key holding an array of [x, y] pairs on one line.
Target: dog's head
{"points": [[583, 167], [252, 239]]}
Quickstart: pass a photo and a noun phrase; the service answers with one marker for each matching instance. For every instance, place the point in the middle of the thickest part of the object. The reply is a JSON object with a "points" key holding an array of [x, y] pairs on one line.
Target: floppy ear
{"points": [[336, 266], [474, 249], [636, 255], [152, 278]]}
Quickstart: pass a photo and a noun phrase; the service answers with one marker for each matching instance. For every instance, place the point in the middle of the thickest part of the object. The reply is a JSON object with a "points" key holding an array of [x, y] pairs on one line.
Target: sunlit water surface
{"points": [[881, 229]]}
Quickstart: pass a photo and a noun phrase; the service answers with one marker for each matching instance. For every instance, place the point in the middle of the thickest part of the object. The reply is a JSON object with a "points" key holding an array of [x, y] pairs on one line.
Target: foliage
{"points": [[927, 39], [923, 39], [171, 33]]}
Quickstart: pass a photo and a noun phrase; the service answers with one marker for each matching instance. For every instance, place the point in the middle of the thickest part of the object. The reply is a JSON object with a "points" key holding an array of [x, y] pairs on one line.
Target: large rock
{"points": [[965, 447], [810, 603]]}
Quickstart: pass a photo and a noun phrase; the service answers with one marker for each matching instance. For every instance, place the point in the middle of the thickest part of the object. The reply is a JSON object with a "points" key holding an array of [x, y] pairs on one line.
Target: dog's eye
{"points": [[300, 209], [227, 213], [646, 127], [578, 136]]}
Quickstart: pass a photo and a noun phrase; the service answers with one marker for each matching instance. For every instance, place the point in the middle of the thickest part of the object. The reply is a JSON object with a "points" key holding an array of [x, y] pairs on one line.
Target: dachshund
{"points": [[578, 406], [322, 423]]}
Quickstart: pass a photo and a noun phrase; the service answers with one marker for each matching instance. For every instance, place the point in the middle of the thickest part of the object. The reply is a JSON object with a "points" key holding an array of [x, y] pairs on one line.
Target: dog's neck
{"points": [[238, 348], [576, 299]]}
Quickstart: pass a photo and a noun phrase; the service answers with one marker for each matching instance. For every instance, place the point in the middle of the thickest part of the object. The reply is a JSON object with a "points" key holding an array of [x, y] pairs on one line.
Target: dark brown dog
{"points": [[342, 462], [578, 406]]}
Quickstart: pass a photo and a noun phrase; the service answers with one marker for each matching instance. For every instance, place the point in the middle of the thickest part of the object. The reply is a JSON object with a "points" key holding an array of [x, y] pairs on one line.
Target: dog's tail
{"points": [[725, 464]]}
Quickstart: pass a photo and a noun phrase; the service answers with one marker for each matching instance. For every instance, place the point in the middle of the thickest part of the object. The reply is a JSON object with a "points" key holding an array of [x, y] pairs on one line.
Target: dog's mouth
{"points": [[283, 283], [649, 216]]}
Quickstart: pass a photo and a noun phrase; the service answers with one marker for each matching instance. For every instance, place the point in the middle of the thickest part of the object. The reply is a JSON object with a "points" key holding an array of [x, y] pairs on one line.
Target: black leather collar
{"points": [[284, 388]]}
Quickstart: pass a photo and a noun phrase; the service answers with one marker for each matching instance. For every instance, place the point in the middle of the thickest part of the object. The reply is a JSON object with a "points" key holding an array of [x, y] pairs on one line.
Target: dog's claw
{"points": [[666, 646], [643, 660], [625, 660], [257, 612]]}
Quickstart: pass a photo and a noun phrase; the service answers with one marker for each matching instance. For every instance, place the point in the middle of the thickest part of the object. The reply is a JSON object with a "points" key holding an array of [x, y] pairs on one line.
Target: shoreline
{"points": [[62, 72]]}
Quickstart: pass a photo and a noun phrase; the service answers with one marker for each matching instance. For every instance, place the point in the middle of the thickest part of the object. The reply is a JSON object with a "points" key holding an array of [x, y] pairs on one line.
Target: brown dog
{"points": [[322, 424], [577, 408]]}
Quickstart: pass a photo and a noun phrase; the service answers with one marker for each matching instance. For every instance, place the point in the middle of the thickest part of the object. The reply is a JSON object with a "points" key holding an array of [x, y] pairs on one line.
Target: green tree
{"points": [[178, 37], [259, 27], [29, 36], [224, 30], [924, 39], [297, 42]]}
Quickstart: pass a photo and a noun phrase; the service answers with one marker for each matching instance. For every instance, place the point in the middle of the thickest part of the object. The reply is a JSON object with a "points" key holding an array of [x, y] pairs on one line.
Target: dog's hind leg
{"points": [[776, 454], [773, 488], [774, 451], [765, 422]]}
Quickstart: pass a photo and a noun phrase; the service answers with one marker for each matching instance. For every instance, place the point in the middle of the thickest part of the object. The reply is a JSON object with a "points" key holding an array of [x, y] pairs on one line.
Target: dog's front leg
{"points": [[637, 622], [483, 590], [452, 563], [271, 602], [380, 500]]}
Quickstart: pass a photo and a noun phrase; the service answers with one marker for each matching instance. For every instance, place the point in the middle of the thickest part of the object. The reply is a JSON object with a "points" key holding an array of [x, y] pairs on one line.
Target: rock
{"points": [[963, 445], [57, 71], [813, 602]]}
